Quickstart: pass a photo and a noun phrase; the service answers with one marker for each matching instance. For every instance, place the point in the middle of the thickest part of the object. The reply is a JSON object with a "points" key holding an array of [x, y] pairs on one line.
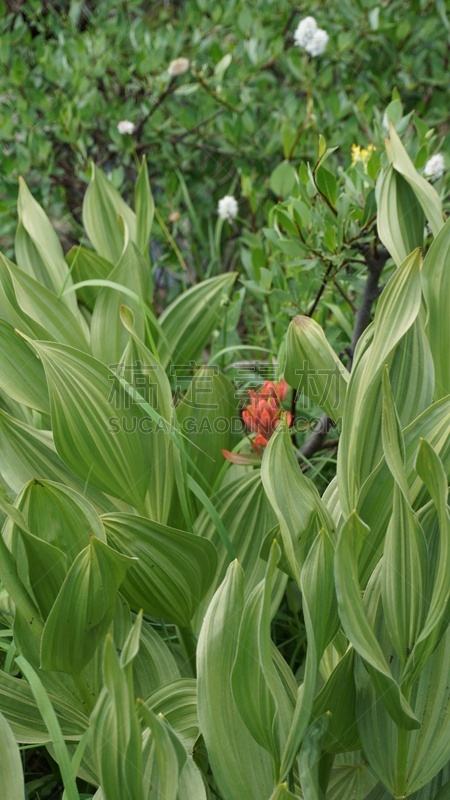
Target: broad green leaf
{"points": [[98, 429], [42, 307], [85, 606], [19, 707], [430, 468], [357, 626], [258, 690], [165, 767], [103, 207], [425, 193], [436, 290], [174, 570], [188, 322], [145, 209], [43, 567], [115, 735], [360, 443], [108, 335], [400, 218], [281, 792], [177, 702], [326, 184], [86, 265], [240, 766], [247, 516], [208, 417], [313, 368], [10, 309], [29, 453], [309, 758], [375, 499], [38, 250], [11, 775], [294, 499], [21, 374], [322, 623], [338, 696], [154, 664], [283, 179], [351, 777]]}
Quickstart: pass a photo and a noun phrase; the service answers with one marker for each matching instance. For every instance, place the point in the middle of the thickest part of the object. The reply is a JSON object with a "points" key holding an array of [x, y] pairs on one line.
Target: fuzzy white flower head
{"points": [[435, 167], [125, 126], [306, 29], [317, 45], [227, 208], [178, 67]]}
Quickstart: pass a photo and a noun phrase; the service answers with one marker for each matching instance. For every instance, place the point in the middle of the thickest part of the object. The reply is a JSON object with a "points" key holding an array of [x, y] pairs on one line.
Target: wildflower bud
{"points": [[178, 67], [125, 126], [174, 216]]}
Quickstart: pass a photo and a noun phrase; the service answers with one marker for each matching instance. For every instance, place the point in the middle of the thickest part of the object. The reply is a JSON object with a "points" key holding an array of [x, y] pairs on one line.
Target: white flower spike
{"points": [[178, 67], [435, 167], [125, 126], [227, 208], [318, 43], [306, 29]]}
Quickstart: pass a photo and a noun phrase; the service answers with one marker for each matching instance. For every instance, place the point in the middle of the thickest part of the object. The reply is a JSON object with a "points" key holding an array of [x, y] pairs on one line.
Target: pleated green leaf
{"points": [[360, 442], [154, 664], [258, 690], [145, 209], [313, 368], [309, 758], [29, 453], [357, 626], [85, 606], [405, 760], [321, 622], [209, 418], [45, 308], [177, 702], [115, 733], [241, 768], [11, 775], [165, 765], [19, 708], [174, 570], [96, 426], [38, 250], [247, 516], [188, 322], [281, 792], [21, 373], [430, 468], [436, 289], [294, 499], [102, 208], [375, 500], [10, 309], [352, 777], [85, 264], [108, 335], [338, 696], [400, 220], [424, 191]]}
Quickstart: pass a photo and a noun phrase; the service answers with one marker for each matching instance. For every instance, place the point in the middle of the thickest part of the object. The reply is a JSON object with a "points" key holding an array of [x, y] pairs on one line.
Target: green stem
{"points": [[189, 644]]}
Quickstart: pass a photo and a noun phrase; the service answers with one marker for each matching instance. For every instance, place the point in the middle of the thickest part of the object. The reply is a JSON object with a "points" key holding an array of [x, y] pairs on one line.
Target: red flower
{"points": [[262, 415]]}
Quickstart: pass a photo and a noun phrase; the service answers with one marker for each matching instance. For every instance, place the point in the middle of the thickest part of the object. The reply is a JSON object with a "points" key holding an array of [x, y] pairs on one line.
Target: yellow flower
{"points": [[362, 154]]}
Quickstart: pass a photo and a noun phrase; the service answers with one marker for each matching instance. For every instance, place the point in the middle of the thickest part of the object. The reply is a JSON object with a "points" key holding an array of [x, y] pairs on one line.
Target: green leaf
{"points": [[326, 184], [400, 219], [21, 374], [103, 207], [85, 265], [313, 368], [425, 193], [115, 734], [174, 570], [338, 696], [258, 690], [294, 499], [357, 626], [145, 209], [177, 702], [85, 606], [240, 766], [11, 774], [436, 290], [283, 179], [37, 247], [188, 322], [98, 430], [308, 761]]}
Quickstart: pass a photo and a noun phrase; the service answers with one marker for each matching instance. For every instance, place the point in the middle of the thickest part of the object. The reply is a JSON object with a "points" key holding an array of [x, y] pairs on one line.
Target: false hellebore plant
{"points": [[139, 583]]}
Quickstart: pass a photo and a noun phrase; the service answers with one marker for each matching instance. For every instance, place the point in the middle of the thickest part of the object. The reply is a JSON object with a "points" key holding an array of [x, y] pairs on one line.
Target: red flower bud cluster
{"points": [[262, 415]]}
